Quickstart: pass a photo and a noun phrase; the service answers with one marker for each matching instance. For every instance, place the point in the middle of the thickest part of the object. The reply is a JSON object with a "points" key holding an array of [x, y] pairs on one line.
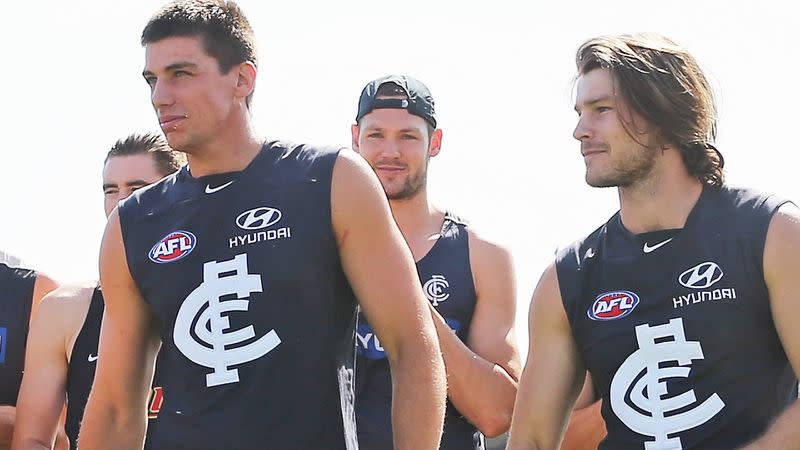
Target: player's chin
{"points": [[393, 186], [599, 181], [396, 194], [179, 141]]}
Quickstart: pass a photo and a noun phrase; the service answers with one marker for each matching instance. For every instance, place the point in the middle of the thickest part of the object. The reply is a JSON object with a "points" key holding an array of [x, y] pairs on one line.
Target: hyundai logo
{"points": [[701, 276], [258, 218]]}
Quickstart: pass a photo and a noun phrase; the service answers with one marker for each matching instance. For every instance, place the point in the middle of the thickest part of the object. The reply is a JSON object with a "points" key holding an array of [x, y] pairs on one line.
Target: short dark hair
{"points": [[220, 25], [663, 83], [167, 160]]}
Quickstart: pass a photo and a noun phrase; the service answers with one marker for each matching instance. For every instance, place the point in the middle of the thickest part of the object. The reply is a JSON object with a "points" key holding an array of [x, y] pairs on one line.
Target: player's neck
{"points": [[419, 222], [662, 201], [230, 151]]}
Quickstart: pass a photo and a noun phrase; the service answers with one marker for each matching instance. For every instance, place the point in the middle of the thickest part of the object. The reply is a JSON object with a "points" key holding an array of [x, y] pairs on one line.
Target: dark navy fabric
{"points": [[676, 328], [16, 296], [257, 317], [82, 364], [446, 277]]}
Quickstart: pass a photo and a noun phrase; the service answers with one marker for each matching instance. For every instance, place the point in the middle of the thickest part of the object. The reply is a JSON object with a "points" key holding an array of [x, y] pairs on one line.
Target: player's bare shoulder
{"points": [[71, 296], [64, 310], [486, 245], [488, 257]]}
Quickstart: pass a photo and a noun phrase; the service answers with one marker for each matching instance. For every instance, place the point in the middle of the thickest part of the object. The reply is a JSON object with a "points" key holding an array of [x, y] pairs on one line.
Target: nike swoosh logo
{"points": [[210, 190], [93, 358], [648, 249]]}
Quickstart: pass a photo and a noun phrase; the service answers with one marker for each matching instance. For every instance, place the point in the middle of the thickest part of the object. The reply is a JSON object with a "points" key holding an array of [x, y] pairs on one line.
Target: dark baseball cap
{"points": [[419, 102]]}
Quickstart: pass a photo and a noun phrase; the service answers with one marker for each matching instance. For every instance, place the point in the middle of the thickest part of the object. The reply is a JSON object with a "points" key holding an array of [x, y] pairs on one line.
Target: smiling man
{"points": [[682, 306], [468, 280]]}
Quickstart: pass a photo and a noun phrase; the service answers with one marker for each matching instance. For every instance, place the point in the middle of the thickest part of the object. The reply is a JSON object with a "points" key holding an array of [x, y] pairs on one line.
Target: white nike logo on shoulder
{"points": [[210, 190], [93, 358], [648, 249]]}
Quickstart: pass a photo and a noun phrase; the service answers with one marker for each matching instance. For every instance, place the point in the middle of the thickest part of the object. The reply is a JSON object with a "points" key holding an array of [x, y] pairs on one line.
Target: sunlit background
{"points": [[500, 72]]}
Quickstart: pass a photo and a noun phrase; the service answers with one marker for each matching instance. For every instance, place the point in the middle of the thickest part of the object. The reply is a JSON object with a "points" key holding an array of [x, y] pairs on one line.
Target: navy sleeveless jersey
{"points": [[257, 317], [16, 285], [675, 326], [446, 278], [80, 371]]}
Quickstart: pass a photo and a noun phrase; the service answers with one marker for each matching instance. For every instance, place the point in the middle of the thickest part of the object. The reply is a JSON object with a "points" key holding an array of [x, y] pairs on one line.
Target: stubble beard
{"points": [[413, 184], [628, 172]]}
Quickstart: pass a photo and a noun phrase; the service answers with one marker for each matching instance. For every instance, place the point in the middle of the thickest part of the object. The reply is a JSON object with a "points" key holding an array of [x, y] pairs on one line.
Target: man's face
{"points": [[396, 145], [614, 155], [192, 99], [122, 175]]}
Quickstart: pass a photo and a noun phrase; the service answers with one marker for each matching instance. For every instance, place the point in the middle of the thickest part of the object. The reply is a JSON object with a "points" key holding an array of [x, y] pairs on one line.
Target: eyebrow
{"points": [[595, 101], [402, 130], [173, 67], [127, 183]]}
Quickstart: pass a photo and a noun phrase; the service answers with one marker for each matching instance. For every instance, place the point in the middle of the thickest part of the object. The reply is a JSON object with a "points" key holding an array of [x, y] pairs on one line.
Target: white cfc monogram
{"points": [[212, 328], [648, 391], [435, 289]]}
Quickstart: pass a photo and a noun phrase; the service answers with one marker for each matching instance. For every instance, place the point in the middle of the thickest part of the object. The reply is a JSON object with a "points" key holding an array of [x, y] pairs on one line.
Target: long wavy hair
{"points": [[663, 83]]}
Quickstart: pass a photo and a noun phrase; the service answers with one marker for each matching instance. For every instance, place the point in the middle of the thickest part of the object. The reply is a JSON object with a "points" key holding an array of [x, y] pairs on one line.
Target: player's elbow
{"points": [[496, 411], [494, 423]]}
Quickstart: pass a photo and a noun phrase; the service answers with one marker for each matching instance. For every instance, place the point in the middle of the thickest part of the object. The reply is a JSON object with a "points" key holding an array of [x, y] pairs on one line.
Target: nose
{"points": [[160, 95], [391, 148], [581, 130]]}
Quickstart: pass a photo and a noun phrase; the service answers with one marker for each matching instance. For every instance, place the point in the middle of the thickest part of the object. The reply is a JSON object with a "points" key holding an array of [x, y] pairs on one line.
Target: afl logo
{"points": [[258, 218], [172, 247], [435, 289], [613, 305], [701, 276]]}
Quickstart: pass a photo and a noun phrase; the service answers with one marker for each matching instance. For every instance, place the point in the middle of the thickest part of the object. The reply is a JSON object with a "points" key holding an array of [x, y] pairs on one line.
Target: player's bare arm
{"points": [[116, 412], [553, 373], [482, 374], [41, 398], [381, 271], [781, 266]]}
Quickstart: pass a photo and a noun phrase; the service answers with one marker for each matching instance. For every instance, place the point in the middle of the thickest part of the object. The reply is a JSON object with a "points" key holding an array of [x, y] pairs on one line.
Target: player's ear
{"points": [[245, 79], [436, 142], [354, 133]]}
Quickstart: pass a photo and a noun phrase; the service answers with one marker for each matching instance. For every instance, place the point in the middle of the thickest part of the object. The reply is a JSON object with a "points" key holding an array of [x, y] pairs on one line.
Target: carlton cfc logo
{"points": [[613, 305], [172, 247]]}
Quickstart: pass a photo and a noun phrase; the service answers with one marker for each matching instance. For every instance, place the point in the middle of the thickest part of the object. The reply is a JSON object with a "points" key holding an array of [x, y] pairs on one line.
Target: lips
{"points": [[169, 123], [389, 171], [592, 148], [589, 153]]}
